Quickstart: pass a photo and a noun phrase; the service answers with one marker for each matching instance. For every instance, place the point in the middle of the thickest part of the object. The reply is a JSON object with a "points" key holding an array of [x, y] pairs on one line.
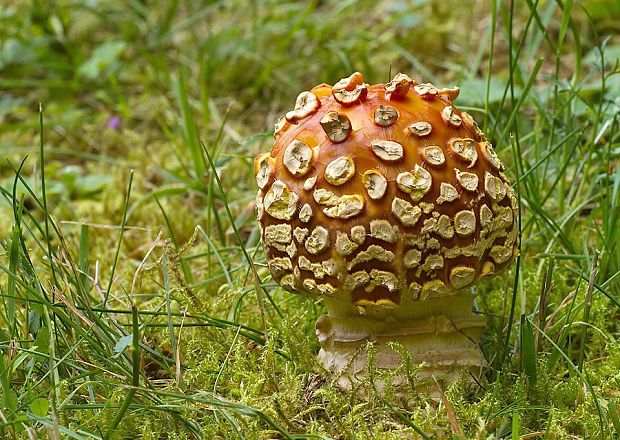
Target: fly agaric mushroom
{"points": [[391, 204]]}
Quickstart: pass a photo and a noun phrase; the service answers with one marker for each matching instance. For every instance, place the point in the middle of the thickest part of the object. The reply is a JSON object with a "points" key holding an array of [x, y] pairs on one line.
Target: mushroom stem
{"points": [[442, 333]]}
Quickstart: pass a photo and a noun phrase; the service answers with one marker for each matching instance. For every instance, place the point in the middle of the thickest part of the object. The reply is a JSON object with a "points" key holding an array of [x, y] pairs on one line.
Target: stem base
{"points": [[440, 336]]}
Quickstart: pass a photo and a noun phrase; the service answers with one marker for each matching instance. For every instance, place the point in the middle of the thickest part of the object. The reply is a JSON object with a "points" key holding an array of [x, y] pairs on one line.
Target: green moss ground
{"points": [[129, 309]]}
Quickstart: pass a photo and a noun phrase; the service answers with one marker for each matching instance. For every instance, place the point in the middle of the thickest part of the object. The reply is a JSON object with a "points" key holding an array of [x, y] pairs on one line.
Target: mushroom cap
{"points": [[382, 195]]}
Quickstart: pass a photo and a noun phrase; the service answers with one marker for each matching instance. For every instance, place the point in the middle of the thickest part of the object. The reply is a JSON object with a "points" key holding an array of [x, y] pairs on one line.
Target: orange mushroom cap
{"points": [[382, 194]]}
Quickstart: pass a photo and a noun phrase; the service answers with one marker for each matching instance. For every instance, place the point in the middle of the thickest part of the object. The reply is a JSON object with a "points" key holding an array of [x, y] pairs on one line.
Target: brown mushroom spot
{"points": [[349, 97], [383, 194], [306, 104], [489, 154], [426, 90], [337, 126], [385, 115], [416, 182], [279, 125], [465, 150], [447, 193], [468, 181], [450, 116], [297, 158], [421, 128], [387, 150], [349, 83], [375, 183], [340, 170], [264, 170], [280, 202], [450, 93], [433, 154], [398, 87]]}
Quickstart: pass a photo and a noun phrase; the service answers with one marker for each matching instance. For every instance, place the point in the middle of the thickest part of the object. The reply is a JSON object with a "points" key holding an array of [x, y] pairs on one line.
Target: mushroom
{"points": [[391, 206]]}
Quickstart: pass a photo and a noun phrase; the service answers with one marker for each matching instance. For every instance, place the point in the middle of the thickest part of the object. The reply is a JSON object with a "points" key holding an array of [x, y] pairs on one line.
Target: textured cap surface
{"points": [[383, 194]]}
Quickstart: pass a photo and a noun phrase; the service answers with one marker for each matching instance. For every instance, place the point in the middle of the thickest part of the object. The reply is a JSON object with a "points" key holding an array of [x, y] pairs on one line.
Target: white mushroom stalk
{"points": [[440, 333]]}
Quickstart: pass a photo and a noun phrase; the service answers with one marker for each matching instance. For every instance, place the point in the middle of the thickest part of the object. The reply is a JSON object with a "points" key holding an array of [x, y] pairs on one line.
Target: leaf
{"points": [[473, 91], [15, 52], [34, 322], [10, 400], [12, 292], [40, 407], [123, 343], [568, 5], [91, 184], [102, 58], [9, 104], [68, 175], [42, 341], [516, 426], [52, 187], [611, 53], [613, 415], [528, 349]]}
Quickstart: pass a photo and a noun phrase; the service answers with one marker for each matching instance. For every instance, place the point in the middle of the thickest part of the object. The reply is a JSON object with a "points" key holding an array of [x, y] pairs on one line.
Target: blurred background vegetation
{"points": [[133, 216]]}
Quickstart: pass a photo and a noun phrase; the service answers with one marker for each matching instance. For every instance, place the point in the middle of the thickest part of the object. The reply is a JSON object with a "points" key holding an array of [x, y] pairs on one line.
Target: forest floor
{"points": [[128, 305]]}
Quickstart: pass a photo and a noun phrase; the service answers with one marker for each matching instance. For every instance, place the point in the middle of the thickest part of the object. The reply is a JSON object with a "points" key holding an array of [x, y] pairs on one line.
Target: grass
{"points": [[135, 298]]}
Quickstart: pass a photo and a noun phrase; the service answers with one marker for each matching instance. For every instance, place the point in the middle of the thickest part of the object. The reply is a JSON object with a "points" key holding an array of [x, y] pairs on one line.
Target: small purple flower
{"points": [[114, 123]]}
